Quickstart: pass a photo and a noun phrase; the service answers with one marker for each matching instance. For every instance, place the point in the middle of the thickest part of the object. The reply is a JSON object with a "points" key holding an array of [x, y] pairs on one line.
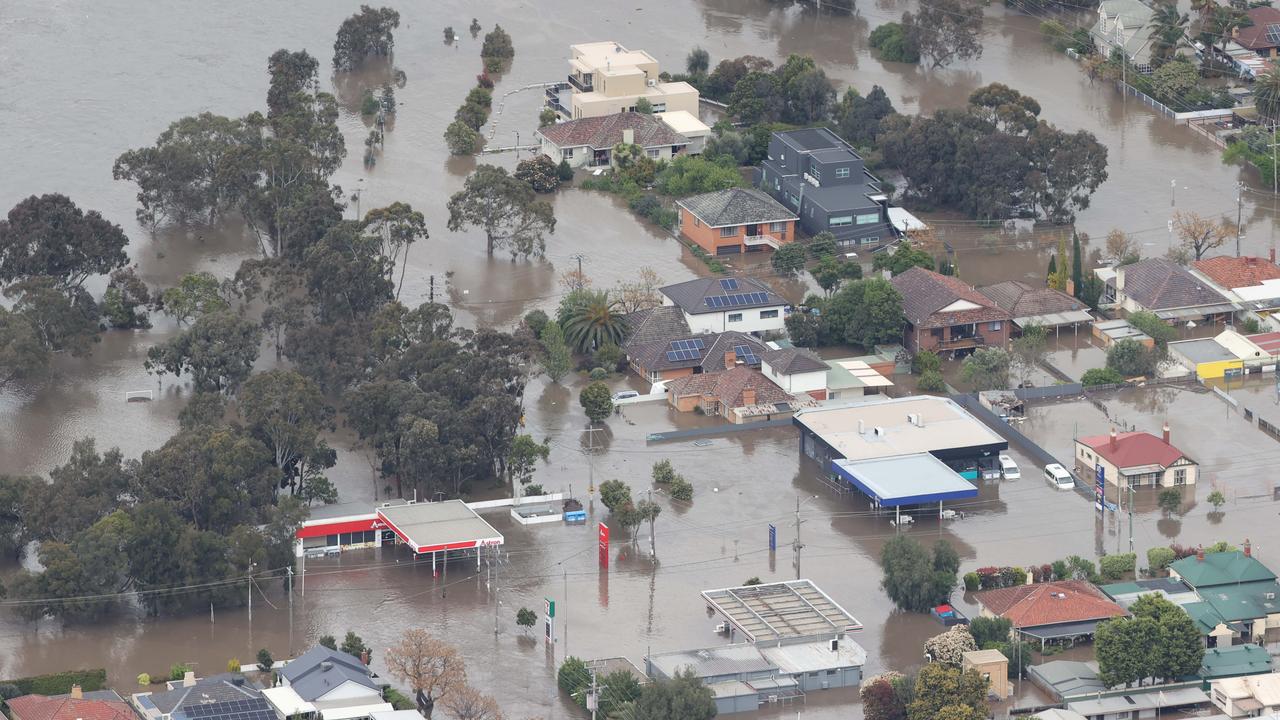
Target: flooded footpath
{"points": [[85, 81]]}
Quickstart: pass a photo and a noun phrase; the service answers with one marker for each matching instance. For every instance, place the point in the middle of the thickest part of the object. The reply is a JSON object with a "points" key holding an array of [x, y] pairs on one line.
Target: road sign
{"points": [[1099, 492], [604, 545], [773, 538], [549, 607]]}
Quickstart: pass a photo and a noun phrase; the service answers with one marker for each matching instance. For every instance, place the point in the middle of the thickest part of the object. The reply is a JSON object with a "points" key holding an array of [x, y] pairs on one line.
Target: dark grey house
{"points": [[823, 179]]}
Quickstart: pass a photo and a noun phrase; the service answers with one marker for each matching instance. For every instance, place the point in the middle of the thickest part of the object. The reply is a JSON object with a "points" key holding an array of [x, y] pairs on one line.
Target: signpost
{"points": [[604, 546], [1099, 496], [549, 612], [773, 538]]}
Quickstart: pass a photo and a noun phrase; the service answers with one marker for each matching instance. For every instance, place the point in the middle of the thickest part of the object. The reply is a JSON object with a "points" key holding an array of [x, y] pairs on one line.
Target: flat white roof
{"points": [[683, 122], [608, 54], [815, 656], [905, 479], [791, 609], [287, 702], [905, 221], [435, 526], [351, 712], [886, 431]]}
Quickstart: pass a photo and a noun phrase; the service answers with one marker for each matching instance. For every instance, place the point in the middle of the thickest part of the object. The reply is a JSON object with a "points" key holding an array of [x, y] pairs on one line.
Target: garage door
{"points": [[729, 250]]}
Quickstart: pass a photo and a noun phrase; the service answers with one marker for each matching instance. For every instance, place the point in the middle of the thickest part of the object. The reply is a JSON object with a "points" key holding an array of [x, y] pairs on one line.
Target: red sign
{"points": [[604, 545]]}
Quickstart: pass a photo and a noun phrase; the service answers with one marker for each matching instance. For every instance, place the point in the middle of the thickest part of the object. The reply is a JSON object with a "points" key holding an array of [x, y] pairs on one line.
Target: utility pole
{"points": [[1173, 191], [593, 700], [591, 454], [1239, 213], [579, 257], [1131, 521], [431, 288], [493, 552], [289, 580], [799, 545], [563, 604], [653, 549]]}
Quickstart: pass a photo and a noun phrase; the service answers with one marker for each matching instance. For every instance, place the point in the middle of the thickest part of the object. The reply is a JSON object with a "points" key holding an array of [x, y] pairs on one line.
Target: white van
{"points": [[625, 395], [1009, 468], [1058, 477]]}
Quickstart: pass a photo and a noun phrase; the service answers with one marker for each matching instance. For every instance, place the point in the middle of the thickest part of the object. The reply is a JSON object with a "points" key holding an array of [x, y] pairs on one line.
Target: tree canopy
{"points": [[368, 32], [915, 579], [50, 236], [506, 208]]}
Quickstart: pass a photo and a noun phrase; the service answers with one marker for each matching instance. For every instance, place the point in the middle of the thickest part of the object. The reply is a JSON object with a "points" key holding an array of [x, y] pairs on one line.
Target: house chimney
{"points": [[189, 678], [629, 136], [748, 395], [364, 656], [1248, 552], [1115, 443], [730, 359], [862, 427], [1200, 553], [1273, 256], [1164, 434], [77, 692]]}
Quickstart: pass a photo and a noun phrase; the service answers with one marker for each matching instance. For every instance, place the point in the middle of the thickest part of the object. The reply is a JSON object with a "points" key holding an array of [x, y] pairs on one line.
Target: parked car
{"points": [[625, 395], [1009, 468], [1058, 477]]}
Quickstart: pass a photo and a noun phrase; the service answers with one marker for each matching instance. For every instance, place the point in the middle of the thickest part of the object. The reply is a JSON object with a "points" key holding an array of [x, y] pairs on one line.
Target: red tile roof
{"points": [[606, 131], [1133, 449], [925, 293], [40, 707], [726, 387], [1255, 37], [1064, 601], [1269, 342], [1237, 272]]}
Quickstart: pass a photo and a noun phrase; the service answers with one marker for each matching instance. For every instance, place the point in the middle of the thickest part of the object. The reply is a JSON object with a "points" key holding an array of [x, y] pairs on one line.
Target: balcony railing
{"points": [[961, 343], [579, 84], [763, 239]]}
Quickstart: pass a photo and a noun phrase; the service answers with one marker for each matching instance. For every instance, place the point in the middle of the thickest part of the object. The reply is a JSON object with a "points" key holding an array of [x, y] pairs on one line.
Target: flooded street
{"points": [[85, 81]]}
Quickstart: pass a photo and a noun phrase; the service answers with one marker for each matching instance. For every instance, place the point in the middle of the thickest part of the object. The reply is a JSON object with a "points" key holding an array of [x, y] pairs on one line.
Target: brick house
{"points": [[946, 315], [1052, 610], [739, 395], [736, 220], [678, 357]]}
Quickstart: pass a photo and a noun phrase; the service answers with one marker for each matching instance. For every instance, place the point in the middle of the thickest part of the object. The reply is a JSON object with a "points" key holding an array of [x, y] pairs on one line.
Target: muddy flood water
{"points": [[84, 81]]}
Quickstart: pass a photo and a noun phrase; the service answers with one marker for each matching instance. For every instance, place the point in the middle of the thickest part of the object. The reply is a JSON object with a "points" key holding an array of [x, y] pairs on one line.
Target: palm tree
{"points": [[1168, 27], [592, 321], [1266, 94]]}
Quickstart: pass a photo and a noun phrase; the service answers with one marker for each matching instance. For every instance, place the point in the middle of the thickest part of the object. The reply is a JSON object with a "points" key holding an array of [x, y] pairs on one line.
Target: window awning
{"points": [[1195, 312], [1061, 630], [1070, 317]]}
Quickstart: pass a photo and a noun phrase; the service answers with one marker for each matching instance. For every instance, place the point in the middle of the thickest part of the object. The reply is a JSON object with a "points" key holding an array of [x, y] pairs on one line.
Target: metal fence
{"points": [[1146, 99]]}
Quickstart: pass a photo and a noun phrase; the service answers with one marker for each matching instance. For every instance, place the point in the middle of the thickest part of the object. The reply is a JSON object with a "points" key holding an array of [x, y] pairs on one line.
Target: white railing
{"points": [[764, 239]]}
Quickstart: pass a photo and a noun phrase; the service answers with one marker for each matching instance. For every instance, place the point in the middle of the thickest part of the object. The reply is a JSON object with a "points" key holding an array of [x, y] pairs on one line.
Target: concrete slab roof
{"points": [[432, 527], [789, 610], [880, 428]]}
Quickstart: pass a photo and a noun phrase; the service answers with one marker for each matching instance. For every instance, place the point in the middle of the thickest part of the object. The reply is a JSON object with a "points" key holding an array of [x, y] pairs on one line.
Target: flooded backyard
{"points": [[86, 81]]}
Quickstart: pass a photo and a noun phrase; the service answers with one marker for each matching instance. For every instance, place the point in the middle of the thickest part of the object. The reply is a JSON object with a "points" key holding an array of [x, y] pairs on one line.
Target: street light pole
{"points": [[799, 545]]}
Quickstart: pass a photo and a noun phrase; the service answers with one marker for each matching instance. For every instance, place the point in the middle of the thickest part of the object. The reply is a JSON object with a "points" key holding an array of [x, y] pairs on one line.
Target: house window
{"points": [[771, 314], [567, 153], [995, 326], [794, 200], [869, 219], [659, 107], [816, 172], [839, 220], [777, 185], [777, 227], [696, 221], [870, 240], [1180, 476], [653, 153], [842, 172], [831, 672], [730, 231], [735, 317]]}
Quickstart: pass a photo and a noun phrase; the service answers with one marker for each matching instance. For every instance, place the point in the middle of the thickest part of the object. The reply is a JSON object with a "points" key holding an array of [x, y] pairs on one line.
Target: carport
{"points": [[915, 479]]}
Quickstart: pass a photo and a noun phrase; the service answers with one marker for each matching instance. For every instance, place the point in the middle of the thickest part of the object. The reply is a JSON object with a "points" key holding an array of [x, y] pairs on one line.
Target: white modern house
{"points": [[713, 305], [324, 684]]}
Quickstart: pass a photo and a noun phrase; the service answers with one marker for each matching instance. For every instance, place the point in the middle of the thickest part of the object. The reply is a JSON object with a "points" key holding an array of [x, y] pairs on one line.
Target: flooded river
{"points": [[84, 81]]}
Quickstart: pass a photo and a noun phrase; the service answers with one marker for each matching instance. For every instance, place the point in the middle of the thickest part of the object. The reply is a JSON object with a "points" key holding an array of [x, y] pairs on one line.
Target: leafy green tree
{"points": [[864, 312], [1029, 350], [859, 119], [822, 245], [1155, 328], [663, 473], [1168, 27], [903, 258], [807, 92], [1217, 500], [684, 696], [540, 172], [368, 32], [1159, 558], [697, 62], [614, 494], [506, 209], [989, 630], [497, 44], [1077, 265], [196, 294], [555, 353], [757, 98], [1130, 358], [1101, 376], [22, 354], [931, 381], [913, 579], [597, 401], [986, 369], [593, 320], [945, 31], [462, 139], [397, 226], [287, 412], [880, 701], [265, 661], [1170, 501], [218, 351], [681, 489], [526, 619], [327, 641], [354, 645], [788, 259], [830, 272], [523, 457], [893, 43], [62, 320], [727, 144], [690, 175], [924, 361], [938, 687], [347, 276], [125, 301], [51, 237]]}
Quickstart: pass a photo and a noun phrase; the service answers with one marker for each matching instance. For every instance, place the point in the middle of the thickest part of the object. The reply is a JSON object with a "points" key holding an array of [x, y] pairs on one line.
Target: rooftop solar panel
{"points": [[729, 284]]}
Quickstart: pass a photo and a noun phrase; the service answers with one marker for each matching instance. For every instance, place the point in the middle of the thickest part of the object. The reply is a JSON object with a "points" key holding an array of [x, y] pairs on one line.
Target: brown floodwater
{"points": [[84, 81]]}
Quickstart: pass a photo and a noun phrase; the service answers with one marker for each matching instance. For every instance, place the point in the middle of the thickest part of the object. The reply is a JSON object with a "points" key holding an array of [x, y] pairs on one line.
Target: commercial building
{"points": [[820, 177], [714, 305], [734, 221], [607, 78], [948, 316], [1207, 358], [1234, 661], [1135, 459], [786, 639], [1060, 610], [590, 142]]}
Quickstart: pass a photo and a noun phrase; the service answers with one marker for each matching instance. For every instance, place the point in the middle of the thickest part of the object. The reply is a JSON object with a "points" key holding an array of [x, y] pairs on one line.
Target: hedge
{"points": [[60, 683]]}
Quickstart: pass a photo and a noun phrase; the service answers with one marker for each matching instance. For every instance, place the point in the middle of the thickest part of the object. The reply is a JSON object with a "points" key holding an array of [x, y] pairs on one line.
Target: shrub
{"points": [[480, 96], [924, 361], [533, 490], [681, 490], [663, 473], [472, 115], [598, 373], [1011, 576], [1114, 567], [753, 580], [1060, 570], [564, 171], [398, 700], [60, 683], [1159, 558], [1169, 500], [894, 45], [1217, 499], [608, 356], [483, 80], [971, 581], [177, 671], [449, 34], [949, 647], [9, 691], [233, 665], [540, 173], [462, 139], [931, 381], [144, 679], [1131, 358], [265, 661], [536, 320], [497, 44], [368, 103], [988, 630], [1101, 376]]}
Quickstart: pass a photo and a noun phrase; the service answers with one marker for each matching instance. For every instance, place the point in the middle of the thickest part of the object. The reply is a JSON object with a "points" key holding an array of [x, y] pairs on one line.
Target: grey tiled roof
{"points": [[653, 355], [319, 670], [736, 206], [789, 361], [691, 296], [227, 687], [1160, 284], [1022, 300], [661, 323], [606, 131]]}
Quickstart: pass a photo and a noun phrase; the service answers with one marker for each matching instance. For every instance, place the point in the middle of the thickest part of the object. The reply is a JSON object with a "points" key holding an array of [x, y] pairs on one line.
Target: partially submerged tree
{"points": [[368, 32], [946, 30], [432, 668], [506, 209], [1199, 234]]}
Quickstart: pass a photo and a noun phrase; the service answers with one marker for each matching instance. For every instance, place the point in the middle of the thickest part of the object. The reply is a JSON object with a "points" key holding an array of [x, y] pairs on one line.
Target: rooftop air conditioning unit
{"points": [[834, 644], [913, 418], [879, 430], [1271, 596], [722, 628], [653, 82]]}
